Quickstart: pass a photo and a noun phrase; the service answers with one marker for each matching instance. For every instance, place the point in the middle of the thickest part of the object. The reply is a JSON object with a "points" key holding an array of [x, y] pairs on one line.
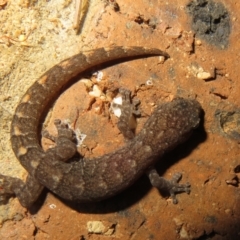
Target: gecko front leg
{"points": [[128, 112], [170, 186], [28, 192], [65, 141]]}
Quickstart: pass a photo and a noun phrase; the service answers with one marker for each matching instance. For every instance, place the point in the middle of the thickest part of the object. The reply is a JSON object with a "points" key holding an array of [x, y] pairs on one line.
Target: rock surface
{"points": [[35, 35]]}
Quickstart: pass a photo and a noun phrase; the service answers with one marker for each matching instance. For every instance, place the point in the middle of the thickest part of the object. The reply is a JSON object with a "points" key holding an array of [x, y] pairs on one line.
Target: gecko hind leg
{"points": [[172, 186]]}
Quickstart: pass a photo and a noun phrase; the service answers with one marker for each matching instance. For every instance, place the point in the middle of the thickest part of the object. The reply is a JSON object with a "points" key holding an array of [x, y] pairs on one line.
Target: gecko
{"points": [[101, 177]]}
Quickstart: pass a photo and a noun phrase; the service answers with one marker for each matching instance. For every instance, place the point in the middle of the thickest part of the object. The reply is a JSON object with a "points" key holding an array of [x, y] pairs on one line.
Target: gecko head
{"points": [[186, 116], [171, 123]]}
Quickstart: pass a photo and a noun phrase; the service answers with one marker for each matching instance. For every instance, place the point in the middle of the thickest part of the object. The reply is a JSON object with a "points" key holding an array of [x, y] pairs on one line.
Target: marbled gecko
{"points": [[100, 177]]}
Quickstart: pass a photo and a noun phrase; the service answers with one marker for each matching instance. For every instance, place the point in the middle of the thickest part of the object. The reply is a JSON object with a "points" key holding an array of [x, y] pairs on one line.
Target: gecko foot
{"points": [[27, 192], [172, 186], [128, 103], [5, 188], [63, 131], [65, 141]]}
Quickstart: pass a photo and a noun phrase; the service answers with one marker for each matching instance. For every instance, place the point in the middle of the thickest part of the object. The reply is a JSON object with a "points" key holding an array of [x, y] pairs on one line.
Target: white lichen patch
{"points": [[95, 227], [149, 82], [98, 75], [115, 106], [96, 91], [161, 59], [98, 227], [79, 137], [202, 73]]}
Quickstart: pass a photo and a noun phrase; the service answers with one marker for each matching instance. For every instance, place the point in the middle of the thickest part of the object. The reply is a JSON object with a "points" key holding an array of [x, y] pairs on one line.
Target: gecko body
{"points": [[101, 177]]}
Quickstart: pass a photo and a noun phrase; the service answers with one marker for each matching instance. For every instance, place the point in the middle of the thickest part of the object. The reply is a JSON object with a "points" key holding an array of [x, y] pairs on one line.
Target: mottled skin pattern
{"points": [[101, 177]]}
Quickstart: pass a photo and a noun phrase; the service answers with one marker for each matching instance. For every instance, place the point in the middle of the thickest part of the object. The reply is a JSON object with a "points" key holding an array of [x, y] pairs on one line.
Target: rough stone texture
{"points": [[210, 21], [209, 160]]}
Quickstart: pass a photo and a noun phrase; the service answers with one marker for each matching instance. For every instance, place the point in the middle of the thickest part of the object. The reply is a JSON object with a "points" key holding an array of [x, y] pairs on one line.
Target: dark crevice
{"points": [[209, 236], [220, 95]]}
